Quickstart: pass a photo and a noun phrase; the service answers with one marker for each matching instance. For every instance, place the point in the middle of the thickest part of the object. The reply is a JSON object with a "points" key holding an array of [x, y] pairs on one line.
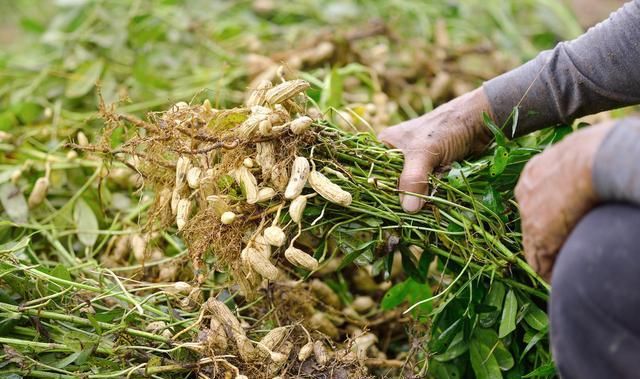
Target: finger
{"points": [[414, 179], [387, 137], [541, 246]]}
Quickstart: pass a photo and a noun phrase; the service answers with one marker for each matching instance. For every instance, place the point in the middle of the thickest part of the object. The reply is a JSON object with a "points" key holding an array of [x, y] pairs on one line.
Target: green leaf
{"points": [[69, 359], [424, 262], [108, 316], [61, 272], [457, 347], [145, 73], [492, 199], [515, 116], [408, 264], [86, 353], [456, 175], [536, 318], [547, 369], [503, 357], [484, 364], [27, 112], [411, 291], [501, 140], [441, 370], [94, 323], [15, 246], [32, 25], [7, 120], [86, 223], [488, 337], [509, 313], [442, 340], [332, 93], [499, 161], [494, 298], [84, 78], [395, 296], [352, 256]]}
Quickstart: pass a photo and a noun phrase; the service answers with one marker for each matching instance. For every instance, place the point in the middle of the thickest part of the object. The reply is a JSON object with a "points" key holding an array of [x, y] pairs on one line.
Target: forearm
{"points": [[596, 72]]}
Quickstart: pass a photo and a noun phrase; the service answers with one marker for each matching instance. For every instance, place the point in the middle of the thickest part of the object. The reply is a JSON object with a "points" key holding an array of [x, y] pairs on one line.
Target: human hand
{"points": [[446, 134], [554, 191]]}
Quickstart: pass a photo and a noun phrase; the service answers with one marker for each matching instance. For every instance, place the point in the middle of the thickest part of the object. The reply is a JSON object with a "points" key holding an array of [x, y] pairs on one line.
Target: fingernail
{"points": [[412, 204]]}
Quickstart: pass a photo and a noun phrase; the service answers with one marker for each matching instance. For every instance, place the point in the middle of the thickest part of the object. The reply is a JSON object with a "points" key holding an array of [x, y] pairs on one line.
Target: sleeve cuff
{"points": [[525, 89], [616, 169]]}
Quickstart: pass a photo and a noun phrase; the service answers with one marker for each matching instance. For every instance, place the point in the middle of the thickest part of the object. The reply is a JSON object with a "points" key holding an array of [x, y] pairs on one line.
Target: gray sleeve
{"points": [[616, 172], [598, 71]]}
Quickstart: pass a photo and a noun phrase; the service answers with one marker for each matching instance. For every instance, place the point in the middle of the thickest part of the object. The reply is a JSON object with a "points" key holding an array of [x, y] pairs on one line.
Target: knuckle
{"points": [[520, 192], [413, 176]]}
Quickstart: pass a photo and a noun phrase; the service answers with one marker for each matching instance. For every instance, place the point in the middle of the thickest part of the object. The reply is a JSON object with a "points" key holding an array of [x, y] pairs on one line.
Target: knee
{"points": [[599, 255], [594, 290], [582, 256]]}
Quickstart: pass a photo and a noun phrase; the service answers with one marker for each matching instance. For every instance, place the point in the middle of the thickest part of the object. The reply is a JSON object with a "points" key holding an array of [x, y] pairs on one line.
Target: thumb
{"points": [[414, 179]]}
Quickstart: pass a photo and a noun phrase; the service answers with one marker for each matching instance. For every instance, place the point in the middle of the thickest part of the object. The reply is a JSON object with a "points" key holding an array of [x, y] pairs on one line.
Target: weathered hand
{"points": [[554, 191], [448, 133]]}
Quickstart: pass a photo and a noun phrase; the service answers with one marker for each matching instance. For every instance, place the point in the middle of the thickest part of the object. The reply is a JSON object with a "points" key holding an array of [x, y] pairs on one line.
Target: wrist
{"points": [[584, 146], [470, 108]]}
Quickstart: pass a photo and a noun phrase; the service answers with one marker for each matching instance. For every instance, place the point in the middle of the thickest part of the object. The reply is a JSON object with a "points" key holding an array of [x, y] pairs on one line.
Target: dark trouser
{"points": [[595, 296]]}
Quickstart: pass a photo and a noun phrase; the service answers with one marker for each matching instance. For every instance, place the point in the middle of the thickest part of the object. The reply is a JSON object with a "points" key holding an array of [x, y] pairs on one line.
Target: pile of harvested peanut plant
{"points": [[267, 240], [270, 196]]}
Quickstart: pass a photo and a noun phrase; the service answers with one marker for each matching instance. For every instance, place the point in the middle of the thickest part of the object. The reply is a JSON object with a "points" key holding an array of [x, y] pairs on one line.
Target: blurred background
{"points": [[145, 54]]}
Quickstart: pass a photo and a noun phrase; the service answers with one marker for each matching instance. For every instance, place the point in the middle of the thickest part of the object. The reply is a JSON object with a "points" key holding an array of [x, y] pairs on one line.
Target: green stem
{"points": [[81, 321]]}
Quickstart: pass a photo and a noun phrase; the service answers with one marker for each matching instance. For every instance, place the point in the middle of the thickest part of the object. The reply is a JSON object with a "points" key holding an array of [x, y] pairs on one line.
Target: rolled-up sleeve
{"points": [[598, 71]]}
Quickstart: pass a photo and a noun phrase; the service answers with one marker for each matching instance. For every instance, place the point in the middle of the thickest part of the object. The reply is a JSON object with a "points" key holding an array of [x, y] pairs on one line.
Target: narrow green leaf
{"points": [[355, 254], [442, 340], [533, 341], [332, 93], [69, 359], [547, 369], [408, 264], [509, 313], [424, 262], [497, 133], [515, 116], [94, 323], [494, 298]]}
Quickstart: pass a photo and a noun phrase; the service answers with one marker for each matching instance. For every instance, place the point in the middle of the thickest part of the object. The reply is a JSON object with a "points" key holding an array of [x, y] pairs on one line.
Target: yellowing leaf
{"points": [[14, 203], [86, 223]]}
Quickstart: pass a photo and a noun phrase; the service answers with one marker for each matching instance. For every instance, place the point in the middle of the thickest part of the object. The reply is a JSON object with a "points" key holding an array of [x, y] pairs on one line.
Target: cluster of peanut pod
{"points": [[269, 111]]}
